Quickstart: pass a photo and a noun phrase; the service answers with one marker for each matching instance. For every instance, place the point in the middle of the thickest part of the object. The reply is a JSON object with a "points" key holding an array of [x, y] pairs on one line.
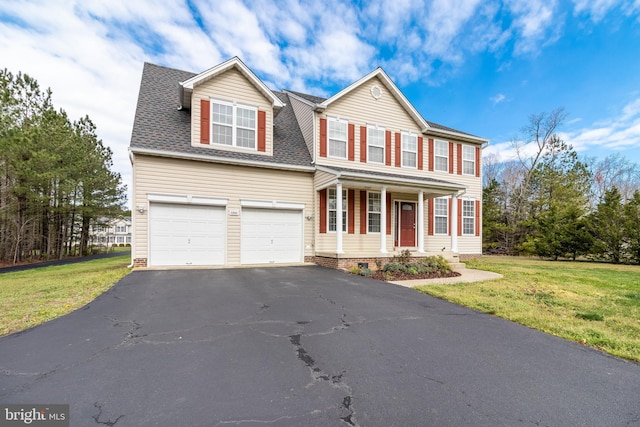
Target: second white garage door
{"points": [[271, 236]]}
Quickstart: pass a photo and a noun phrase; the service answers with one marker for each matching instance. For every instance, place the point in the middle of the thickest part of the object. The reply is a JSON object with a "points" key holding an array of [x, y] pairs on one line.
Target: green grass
{"points": [[594, 304], [29, 298]]}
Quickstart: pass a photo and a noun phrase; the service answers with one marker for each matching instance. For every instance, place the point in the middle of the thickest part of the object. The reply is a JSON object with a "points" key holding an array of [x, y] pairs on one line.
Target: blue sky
{"points": [[477, 66]]}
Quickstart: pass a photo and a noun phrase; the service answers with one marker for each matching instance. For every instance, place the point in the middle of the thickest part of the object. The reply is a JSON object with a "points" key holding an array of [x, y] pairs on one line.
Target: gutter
{"points": [[223, 160]]}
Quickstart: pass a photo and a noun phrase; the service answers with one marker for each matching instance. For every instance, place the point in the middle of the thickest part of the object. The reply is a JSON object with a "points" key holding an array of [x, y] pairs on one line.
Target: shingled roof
{"points": [[159, 125]]}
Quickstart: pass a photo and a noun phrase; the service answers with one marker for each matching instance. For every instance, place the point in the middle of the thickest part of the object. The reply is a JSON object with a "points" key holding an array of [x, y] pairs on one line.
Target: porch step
{"points": [[457, 266]]}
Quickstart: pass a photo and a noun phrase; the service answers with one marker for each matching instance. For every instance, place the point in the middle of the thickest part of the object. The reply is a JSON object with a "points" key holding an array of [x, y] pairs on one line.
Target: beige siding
{"points": [[184, 177], [234, 87], [304, 116]]}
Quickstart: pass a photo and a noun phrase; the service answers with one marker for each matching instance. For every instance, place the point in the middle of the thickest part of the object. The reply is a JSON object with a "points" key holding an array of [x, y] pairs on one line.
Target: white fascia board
{"points": [[215, 159], [390, 180], [194, 81], [268, 204], [391, 86], [458, 135]]}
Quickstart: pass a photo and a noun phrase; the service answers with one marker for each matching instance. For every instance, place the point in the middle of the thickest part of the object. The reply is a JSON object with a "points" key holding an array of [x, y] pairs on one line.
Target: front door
{"points": [[407, 224]]}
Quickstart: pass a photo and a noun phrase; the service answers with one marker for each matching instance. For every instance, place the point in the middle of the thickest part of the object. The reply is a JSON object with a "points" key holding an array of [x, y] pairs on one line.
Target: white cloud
{"points": [[534, 24], [497, 99]]}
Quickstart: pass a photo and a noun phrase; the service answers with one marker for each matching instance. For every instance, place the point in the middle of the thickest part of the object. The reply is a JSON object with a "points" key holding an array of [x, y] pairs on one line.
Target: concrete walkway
{"points": [[468, 275]]}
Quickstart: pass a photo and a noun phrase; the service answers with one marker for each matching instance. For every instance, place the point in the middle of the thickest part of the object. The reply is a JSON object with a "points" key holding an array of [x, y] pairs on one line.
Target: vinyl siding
{"points": [[183, 177], [231, 86], [304, 116]]}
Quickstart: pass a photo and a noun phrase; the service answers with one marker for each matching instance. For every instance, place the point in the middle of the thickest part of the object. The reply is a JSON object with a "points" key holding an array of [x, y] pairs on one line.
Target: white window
{"points": [[409, 150], [441, 156], [121, 228], [441, 215], [337, 138], [468, 217], [120, 239], [128, 239], [468, 160], [373, 211], [333, 206], [375, 145], [233, 125]]}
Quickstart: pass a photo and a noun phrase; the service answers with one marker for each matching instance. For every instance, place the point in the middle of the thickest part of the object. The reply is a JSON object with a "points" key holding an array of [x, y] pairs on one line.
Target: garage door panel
{"points": [[186, 234], [271, 236]]}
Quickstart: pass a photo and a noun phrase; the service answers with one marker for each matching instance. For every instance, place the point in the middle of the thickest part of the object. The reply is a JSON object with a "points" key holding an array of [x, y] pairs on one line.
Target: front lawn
{"points": [[29, 298], [594, 304]]}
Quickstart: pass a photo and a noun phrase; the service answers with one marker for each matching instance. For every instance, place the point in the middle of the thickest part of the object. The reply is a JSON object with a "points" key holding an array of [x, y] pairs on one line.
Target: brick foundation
{"points": [[140, 262], [348, 263], [468, 257]]}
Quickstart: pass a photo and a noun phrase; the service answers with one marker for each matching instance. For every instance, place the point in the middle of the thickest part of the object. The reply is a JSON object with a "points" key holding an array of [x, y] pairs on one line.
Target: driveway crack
{"points": [[108, 422]]}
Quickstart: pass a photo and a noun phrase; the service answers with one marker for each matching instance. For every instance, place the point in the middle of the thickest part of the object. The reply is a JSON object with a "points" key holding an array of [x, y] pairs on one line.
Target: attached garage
{"points": [[186, 234], [271, 236]]}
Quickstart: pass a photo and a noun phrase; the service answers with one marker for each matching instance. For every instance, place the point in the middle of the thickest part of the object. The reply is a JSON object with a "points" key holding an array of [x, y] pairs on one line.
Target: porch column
{"points": [[339, 218], [421, 221], [454, 223], [383, 220]]}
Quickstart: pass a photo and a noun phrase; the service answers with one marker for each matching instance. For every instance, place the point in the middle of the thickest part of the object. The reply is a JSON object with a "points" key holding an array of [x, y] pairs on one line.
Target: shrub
{"points": [[366, 272], [354, 270], [394, 267]]}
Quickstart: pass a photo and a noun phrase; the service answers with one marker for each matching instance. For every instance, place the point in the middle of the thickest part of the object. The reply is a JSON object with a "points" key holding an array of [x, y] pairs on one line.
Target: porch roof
{"points": [[366, 178]]}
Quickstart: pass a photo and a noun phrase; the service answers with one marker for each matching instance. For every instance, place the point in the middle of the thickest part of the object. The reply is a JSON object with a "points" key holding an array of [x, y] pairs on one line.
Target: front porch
{"points": [[383, 215]]}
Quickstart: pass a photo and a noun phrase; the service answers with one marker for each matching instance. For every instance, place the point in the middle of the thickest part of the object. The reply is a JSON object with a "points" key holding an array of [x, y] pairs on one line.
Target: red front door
{"points": [[407, 224]]}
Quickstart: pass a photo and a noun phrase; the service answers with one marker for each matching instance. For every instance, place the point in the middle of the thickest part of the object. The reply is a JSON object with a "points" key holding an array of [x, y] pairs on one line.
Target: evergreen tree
{"points": [[608, 228]]}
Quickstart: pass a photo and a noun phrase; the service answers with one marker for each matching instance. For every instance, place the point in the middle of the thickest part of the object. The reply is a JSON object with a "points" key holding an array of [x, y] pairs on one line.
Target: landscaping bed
{"points": [[381, 275], [400, 267]]}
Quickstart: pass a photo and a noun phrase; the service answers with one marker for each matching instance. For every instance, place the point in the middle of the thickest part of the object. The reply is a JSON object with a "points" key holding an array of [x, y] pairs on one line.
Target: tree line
{"points": [[55, 175], [552, 203]]}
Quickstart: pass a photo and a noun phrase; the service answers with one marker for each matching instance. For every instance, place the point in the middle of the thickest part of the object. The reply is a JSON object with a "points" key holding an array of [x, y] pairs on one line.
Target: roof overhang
{"points": [[186, 88], [391, 181]]}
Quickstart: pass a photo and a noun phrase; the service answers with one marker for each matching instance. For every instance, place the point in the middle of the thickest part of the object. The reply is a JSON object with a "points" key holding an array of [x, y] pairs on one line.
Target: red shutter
{"points": [[478, 217], [459, 217], [205, 124], [387, 148], [262, 131], [477, 161], [431, 155], [420, 154], [323, 210], [432, 215], [352, 142], [363, 144], [451, 157], [398, 150], [323, 137], [363, 212], [459, 159], [388, 213], [351, 211]]}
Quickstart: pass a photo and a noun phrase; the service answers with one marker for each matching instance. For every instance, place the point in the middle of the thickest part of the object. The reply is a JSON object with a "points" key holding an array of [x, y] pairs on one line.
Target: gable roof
{"points": [[320, 104], [160, 128], [187, 86]]}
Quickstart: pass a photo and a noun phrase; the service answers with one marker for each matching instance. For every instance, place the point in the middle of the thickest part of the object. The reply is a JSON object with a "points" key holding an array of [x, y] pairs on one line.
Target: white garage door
{"points": [[186, 234], [271, 236]]}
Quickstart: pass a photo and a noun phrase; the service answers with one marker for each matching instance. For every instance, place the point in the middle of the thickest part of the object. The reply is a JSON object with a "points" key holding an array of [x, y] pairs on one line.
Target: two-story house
{"points": [[229, 172]]}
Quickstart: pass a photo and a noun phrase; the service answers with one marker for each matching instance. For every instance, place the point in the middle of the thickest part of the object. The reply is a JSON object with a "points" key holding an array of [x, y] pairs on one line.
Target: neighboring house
{"points": [[228, 172], [111, 232]]}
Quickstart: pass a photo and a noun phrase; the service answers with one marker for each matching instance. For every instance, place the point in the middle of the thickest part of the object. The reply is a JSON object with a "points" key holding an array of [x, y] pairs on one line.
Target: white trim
{"points": [[369, 212], [186, 199], [454, 223], [339, 224], [234, 123], [216, 159], [473, 217], [268, 204], [194, 81], [420, 227], [383, 219], [476, 140], [398, 227], [301, 99], [435, 155], [463, 160], [448, 219]]}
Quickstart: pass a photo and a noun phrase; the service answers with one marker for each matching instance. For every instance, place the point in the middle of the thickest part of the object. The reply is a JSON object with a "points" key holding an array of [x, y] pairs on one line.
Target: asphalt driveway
{"points": [[305, 346]]}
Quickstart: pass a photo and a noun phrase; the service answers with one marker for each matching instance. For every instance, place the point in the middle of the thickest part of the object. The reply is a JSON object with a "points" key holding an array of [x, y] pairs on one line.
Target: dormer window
{"points": [[233, 125]]}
